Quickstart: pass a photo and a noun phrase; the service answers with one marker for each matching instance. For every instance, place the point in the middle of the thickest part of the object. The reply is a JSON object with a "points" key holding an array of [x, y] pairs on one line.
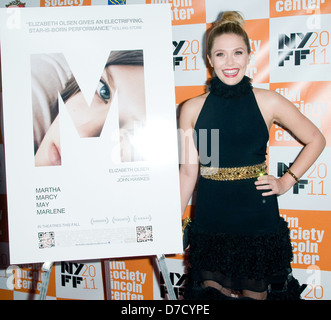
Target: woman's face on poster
{"points": [[124, 80]]}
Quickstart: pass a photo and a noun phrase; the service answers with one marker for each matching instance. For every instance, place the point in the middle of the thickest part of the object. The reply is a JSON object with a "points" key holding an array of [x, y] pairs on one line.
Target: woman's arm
{"points": [[189, 160], [286, 114]]}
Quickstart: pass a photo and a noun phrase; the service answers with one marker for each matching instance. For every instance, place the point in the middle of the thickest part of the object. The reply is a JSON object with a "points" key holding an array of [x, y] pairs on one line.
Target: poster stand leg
{"points": [[106, 271], [47, 268], [160, 258]]}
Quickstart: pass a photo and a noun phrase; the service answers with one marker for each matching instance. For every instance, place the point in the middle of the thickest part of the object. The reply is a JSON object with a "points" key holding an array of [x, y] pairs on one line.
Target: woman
{"points": [[239, 245]]}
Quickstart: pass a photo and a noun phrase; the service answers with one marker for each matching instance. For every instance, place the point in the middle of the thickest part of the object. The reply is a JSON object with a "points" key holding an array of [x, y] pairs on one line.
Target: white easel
{"points": [[160, 259], [47, 268]]}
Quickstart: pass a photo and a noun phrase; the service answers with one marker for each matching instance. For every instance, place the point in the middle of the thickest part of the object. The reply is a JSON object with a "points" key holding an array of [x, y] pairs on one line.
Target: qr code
{"points": [[144, 234], [46, 239]]}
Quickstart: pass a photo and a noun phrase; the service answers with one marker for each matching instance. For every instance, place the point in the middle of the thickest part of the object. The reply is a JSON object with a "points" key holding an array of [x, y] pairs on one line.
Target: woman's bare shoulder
{"points": [[191, 108], [194, 104], [196, 100], [267, 95]]}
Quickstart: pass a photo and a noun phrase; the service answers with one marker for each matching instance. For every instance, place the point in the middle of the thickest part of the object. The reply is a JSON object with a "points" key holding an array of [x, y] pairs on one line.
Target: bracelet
{"points": [[293, 175], [186, 222]]}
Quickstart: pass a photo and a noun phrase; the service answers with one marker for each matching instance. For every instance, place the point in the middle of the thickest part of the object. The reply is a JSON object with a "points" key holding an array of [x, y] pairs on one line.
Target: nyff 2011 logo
{"points": [[71, 274], [292, 47], [185, 54]]}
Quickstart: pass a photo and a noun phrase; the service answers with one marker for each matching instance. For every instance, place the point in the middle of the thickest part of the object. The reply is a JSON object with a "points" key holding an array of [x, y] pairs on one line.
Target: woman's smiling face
{"points": [[229, 58]]}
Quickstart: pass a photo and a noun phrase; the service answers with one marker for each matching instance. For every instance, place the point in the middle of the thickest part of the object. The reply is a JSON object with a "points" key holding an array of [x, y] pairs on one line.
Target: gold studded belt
{"points": [[235, 173]]}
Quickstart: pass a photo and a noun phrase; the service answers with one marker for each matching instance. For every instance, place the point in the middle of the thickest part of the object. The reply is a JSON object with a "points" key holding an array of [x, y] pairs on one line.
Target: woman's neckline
{"points": [[219, 88]]}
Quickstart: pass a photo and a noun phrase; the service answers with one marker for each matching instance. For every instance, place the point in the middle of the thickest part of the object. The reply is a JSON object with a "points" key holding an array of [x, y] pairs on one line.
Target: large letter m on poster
{"points": [[121, 80]]}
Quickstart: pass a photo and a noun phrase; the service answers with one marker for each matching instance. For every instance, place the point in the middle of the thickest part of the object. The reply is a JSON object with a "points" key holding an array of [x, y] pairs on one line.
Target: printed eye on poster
{"points": [[90, 132]]}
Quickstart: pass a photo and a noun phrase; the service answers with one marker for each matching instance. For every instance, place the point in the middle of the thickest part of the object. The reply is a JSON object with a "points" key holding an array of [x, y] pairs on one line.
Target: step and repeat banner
{"points": [[290, 42]]}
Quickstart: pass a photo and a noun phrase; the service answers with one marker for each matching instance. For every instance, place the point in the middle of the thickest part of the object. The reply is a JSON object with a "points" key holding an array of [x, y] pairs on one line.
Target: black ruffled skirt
{"points": [[257, 263]]}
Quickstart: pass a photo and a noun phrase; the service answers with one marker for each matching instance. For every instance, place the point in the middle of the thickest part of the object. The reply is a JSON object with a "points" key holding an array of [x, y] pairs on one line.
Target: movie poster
{"points": [[90, 132]]}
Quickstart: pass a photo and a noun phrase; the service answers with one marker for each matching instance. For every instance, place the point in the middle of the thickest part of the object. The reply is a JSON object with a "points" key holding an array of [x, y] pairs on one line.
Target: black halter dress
{"points": [[237, 237]]}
